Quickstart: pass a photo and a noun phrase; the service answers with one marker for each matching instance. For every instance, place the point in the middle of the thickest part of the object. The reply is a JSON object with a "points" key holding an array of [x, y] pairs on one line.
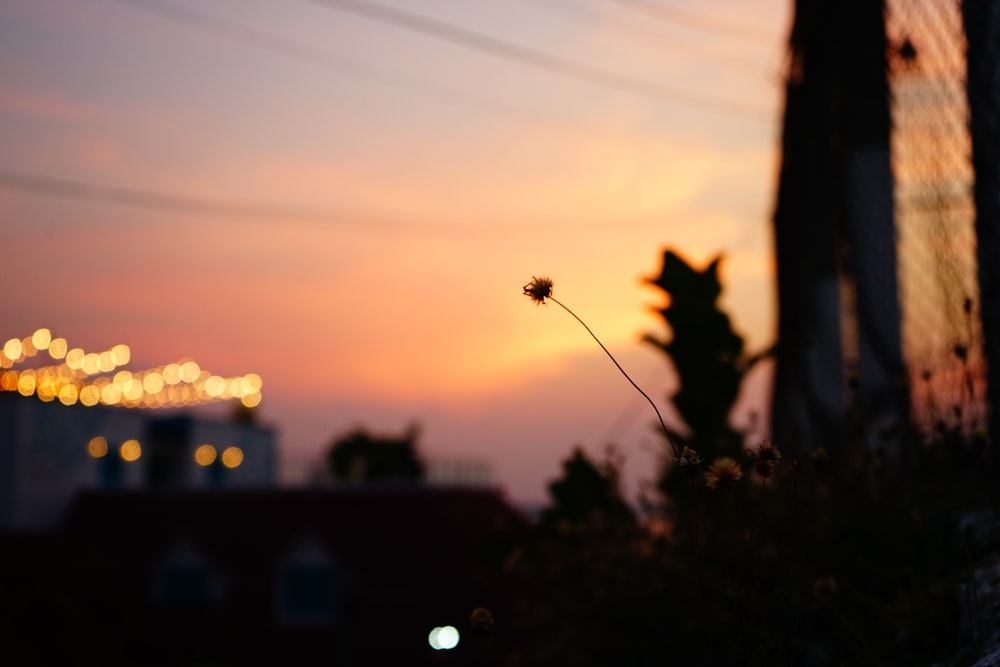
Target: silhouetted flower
{"points": [[824, 586], [723, 473], [539, 289], [766, 456], [820, 455], [689, 457], [481, 618]]}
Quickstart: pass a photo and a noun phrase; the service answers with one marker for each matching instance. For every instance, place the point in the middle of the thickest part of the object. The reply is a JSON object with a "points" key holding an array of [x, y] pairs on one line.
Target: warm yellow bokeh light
{"points": [[232, 457], [8, 381], [172, 374], [68, 394], [97, 447], [130, 450], [236, 387], [28, 348], [132, 390], [105, 362], [47, 390], [121, 354], [152, 388], [91, 363], [251, 400], [152, 383], [111, 394], [12, 349], [57, 348], [215, 385], [90, 395], [205, 455], [26, 384], [189, 371], [41, 339], [74, 358]]}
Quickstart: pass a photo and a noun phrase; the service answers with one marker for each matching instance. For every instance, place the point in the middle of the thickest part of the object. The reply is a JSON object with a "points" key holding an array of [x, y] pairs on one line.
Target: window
{"points": [[182, 578], [308, 587]]}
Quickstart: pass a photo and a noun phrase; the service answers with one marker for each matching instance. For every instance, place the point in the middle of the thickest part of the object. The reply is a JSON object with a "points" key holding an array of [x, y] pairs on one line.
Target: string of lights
{"points": [[85, 378]]}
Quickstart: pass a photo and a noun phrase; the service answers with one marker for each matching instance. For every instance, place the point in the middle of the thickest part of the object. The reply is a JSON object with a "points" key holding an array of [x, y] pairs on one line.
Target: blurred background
{"points": [[264, 265], [346, 198]]}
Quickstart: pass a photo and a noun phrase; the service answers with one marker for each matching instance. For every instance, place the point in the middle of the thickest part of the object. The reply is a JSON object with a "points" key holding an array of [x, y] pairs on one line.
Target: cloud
{"points": [[47, 106]]}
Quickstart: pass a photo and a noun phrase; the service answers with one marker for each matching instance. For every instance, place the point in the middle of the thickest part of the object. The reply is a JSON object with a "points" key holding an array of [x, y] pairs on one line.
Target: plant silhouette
{"points": [[706, 352], [359, 456]]}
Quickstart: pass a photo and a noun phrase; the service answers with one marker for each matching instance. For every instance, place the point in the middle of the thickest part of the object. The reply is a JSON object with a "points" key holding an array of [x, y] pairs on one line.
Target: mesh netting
{"points": [[935, 215]]}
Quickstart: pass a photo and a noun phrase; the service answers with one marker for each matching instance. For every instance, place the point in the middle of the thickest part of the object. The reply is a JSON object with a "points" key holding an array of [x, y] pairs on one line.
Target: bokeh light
{"points": [[130, 450], [8, 381], [41, 339], [176, 384], [215, 386], [58, 348], [91, 363], [251, 400], [12, 349], [152, 383], [232, 457], [90, 395], [443, 638], [68, 394], [26, 383], [205, 455], [97, 447], [120, 355], [74, 358]]}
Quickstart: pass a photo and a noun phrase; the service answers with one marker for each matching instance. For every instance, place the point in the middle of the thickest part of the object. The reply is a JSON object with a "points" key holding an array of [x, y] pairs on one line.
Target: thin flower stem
{"points": [[666, 432]]}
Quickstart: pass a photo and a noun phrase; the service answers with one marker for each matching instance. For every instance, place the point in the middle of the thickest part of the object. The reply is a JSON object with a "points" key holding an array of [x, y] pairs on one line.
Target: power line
{"points": [[576, 9], [357, 69], [157, 200], [523, 55], [694, 19]]}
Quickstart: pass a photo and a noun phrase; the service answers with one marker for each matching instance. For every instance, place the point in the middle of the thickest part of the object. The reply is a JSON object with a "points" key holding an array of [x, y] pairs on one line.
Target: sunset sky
{"points": [[346, 197]]}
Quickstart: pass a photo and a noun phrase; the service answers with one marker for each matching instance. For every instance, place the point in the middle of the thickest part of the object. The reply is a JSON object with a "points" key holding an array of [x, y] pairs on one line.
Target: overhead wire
{"points": [[158, 200], [577, 10], [701, 21], [152, 199], [351, 67], [530, 57]]}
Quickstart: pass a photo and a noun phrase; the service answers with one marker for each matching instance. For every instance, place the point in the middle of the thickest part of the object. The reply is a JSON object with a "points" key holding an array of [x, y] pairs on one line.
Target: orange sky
{"points": [[350, 208]]}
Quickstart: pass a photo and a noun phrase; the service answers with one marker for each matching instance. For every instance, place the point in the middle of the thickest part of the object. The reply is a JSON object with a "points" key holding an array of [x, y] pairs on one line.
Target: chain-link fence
{"points": [[935, 214]]}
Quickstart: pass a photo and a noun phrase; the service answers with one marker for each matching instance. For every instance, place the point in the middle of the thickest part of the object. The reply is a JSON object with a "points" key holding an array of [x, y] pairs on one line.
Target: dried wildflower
{"points": [[539, 289], [689, 457], [723, 473], [767, 456], [824, 586], [481, 618]]}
